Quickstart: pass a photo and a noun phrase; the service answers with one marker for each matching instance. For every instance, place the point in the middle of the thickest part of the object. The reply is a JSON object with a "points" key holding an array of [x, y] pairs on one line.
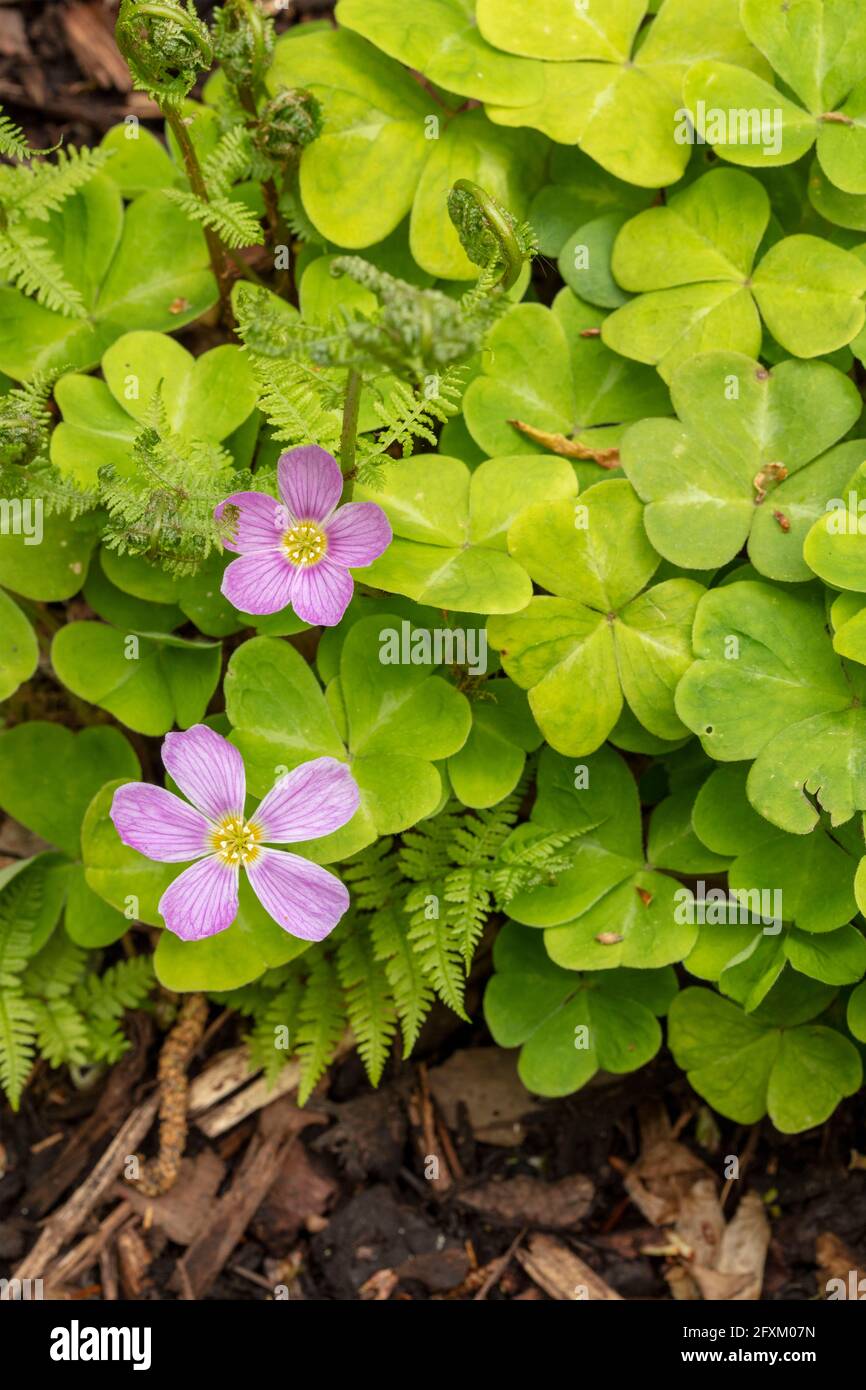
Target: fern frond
{"points": [[368, 999], [44, 187], [28, 262], [234, 223], [123, 986], [411, 990], [61, 1033], [20, 905], [13, 141], [17, 1043], [438, 949], [469, 903], [291, 401], [56, 968], [280, 1011], [321, 1021], [373, 875]]}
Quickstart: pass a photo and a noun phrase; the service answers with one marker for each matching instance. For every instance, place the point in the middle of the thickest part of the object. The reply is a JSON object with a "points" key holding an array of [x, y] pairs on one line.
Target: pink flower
{"points": [[314, 799], [300, 550]]}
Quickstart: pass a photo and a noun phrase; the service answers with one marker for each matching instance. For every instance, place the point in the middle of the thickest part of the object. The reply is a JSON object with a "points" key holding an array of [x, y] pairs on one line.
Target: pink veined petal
{"points": [[202, 901], [312, 800], [208, 769], [310, 482], [259, 583], [302, 897], [357, 534], [157, 823], [321, 593], [260, 525]]}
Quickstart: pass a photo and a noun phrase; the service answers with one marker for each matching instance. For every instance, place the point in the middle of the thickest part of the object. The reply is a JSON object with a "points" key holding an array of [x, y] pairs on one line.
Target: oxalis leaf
{"points": [[598, 641], [711, 295], [19, 651], [540, 369], [568, 1025], [812, 875], [749, 460], [613, 908], [392, 722], [818, 51], [767, 685], [618, 94], [37, 758], [450, 528], [150, 681], [746, 1068], [145, 268], [207, 397]]}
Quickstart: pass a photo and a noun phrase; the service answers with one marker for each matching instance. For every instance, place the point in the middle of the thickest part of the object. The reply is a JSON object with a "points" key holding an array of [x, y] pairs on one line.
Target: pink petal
{"points": [[320, 593], [302, 897], [208, 769], [357, 534], [202, 901], [310, 482], [314, 799], [259, 583], [260, 525], [157, 823]]}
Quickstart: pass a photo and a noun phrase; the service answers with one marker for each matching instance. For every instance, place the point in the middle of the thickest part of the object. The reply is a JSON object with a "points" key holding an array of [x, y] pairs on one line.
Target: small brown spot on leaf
{"points": [[178, 306], [608, 938], [645, 897]]}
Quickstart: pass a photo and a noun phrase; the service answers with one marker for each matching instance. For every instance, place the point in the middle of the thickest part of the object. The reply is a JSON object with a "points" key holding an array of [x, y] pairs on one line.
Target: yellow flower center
{"points": [[305, 544], [236, 841]]}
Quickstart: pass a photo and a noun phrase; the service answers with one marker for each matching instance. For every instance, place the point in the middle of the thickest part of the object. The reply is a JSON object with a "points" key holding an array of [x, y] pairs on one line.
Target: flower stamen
{"points": [[305, 544], [235, 841]]}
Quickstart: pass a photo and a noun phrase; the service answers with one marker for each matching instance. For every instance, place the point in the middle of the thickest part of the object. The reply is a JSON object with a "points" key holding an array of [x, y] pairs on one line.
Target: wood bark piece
{"points": [[215, 1120], [90, 32], [232, 1213], [560, 1272], [63, 1225]]}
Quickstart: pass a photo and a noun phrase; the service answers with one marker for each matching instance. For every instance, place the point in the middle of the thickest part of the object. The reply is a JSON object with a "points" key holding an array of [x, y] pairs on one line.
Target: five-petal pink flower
{"points": [[299, 550], [212, 829]]}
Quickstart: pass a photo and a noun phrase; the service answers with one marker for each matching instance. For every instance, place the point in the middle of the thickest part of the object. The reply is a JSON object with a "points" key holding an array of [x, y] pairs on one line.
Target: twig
{"points": [[499, 1267]]}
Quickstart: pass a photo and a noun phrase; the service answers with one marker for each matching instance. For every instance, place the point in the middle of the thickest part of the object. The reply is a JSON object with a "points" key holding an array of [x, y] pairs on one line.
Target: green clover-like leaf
{"points": [[814, 874], [550, 370], [597, 642], [145, 268], [817, 49], [451, 525], [391, 722], [612, 87], [613, 907], [206, 397], [711, 295], [749, 460], [746, 1068], [568, 1025], [767, 685], [150, 681], [19, 650], [49, 775]]}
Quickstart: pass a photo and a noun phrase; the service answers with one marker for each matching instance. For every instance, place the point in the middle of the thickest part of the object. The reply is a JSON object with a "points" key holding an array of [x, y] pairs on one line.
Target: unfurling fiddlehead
{"points": [[490, 236], [286, 125], [165, 45], [244, 45]]}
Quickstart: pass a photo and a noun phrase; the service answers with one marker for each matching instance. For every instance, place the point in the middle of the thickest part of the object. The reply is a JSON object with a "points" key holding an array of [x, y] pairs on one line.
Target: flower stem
{"points": [[349, 432], [197, 183]]}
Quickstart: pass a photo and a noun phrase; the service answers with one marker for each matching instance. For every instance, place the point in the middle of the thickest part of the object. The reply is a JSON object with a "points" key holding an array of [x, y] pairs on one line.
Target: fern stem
{"points": [[349, 432], [216, 250]]}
